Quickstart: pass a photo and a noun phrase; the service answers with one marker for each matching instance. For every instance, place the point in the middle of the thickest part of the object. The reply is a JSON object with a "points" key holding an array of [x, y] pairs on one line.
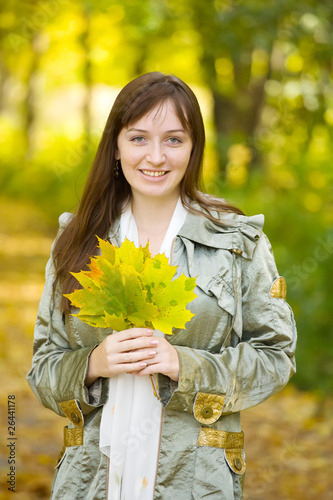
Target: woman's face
{"points": [[154, 153]]}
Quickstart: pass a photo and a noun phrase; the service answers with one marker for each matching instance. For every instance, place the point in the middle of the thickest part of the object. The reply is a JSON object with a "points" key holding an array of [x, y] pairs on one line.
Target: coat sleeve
{"points": [[260, 365], [58, 371]]}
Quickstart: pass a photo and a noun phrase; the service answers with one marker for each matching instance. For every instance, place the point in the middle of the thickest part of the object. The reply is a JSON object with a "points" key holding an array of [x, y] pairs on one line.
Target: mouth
{"points": [[154, 173]]}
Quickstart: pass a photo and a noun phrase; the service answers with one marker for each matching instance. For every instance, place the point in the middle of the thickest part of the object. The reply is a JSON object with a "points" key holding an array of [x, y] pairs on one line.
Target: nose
{"points": [[155, 154]]}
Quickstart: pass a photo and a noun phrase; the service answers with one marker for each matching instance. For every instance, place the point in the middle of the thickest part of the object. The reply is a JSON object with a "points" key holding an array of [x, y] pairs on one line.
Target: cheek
{"points": [[184, 160], [180, 158], [128, 160]]}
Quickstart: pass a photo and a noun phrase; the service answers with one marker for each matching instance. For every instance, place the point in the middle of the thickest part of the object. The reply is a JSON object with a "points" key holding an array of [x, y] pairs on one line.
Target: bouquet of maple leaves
{"points": [[125, 287]]}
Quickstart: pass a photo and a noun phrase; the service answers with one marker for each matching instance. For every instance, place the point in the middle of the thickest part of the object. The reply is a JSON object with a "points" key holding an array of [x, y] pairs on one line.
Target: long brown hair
{"points": [[105, 194]]}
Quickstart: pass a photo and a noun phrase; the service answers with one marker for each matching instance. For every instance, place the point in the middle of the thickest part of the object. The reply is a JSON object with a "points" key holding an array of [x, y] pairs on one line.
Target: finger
{"points": [[132, 368], [133, 333], [129, 340], [137, 343], [136, 356], [148, 370], [153, 366]]}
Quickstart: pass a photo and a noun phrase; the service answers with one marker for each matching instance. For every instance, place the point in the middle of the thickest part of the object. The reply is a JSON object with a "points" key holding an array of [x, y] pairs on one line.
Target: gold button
{"points": [[207, 412], [75, 418], [238, 464]]}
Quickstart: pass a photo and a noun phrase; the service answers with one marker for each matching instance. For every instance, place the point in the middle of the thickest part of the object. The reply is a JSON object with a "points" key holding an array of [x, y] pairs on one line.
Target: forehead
{"points": [[163, 113]]}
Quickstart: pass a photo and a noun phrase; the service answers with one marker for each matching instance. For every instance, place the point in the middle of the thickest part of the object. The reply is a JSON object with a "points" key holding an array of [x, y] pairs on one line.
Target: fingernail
{"points": [[151, 353], [154, 342], [143, 365], [150, 332]]}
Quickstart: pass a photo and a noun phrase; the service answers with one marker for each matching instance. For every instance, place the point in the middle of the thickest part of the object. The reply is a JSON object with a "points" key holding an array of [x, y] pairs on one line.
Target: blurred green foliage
{"points": [[262, 71]]}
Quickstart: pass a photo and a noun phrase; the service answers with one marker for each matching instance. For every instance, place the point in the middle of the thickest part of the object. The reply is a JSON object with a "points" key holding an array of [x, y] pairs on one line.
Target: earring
{"points": [[116, 168]]}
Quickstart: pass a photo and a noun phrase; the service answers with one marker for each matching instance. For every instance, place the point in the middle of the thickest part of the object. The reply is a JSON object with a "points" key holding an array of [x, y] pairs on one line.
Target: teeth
{"points": [[154, 174]]}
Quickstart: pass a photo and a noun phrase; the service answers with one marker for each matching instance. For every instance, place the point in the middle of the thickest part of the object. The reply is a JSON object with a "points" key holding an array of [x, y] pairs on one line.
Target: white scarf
{"points": [[131, 418]]}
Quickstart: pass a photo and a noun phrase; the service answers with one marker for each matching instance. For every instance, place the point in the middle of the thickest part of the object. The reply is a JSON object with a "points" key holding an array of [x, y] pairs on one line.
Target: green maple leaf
{"points": [[171, 301], [125, 287], [114, 322], [170, 296]]}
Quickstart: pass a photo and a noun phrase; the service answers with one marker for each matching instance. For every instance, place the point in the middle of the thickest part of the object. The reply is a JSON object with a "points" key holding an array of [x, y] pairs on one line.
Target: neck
{"points": [[153, 215]]}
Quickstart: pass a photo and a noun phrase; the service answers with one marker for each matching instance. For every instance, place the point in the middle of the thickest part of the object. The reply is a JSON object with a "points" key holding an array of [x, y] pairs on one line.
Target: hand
{"points": [[164, 361], [127, 351]]}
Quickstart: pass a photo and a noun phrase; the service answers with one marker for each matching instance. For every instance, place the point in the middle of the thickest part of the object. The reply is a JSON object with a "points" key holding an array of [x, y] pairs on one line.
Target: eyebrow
{"points": [[146, 131]]}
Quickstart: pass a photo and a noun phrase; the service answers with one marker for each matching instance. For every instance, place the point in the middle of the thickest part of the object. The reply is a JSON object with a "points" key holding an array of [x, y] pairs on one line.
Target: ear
{"points": [[117, 155]]}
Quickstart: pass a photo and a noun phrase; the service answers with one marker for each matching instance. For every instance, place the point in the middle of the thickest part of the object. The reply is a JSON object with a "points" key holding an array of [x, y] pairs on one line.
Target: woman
{"points": [[122, 442]]}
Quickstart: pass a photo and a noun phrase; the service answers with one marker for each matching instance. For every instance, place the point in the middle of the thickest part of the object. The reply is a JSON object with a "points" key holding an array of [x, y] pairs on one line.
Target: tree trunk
{"points": [[237, 119]]}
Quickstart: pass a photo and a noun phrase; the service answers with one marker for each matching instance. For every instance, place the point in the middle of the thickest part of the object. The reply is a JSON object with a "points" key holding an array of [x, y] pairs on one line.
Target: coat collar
{"points": [[231, 231]]}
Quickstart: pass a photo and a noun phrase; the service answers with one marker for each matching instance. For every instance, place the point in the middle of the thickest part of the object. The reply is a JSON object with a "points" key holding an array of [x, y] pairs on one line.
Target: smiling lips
{"points": [[151, 173]]}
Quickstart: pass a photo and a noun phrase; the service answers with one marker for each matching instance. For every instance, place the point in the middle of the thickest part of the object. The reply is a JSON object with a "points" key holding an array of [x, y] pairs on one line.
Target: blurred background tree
{"points": [[262, 71]]}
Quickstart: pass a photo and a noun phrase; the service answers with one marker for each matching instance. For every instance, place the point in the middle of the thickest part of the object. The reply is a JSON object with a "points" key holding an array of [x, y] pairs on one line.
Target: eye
{"points": [[139, 139], [174, 140]]}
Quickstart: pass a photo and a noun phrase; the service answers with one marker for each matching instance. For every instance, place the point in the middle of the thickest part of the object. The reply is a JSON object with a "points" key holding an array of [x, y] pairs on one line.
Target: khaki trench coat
{"points": [[235, 352]]}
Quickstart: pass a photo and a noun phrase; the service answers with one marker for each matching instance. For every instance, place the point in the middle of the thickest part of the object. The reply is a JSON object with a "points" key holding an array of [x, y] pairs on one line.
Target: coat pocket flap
{"points": [[235, 459]]}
